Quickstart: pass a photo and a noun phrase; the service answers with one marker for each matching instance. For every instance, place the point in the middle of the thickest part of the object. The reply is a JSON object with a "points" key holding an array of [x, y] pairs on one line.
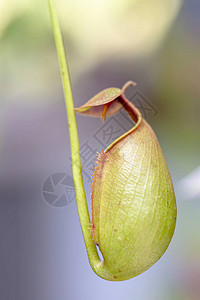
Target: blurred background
{"points": [[155, 43]]}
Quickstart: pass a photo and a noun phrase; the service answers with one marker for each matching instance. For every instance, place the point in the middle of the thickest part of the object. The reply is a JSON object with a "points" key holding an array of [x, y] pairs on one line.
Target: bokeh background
{"points": [[155, 43]]}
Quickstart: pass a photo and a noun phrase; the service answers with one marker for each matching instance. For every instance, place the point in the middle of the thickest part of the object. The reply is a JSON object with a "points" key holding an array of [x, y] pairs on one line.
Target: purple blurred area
{"points": [[42, 253]]}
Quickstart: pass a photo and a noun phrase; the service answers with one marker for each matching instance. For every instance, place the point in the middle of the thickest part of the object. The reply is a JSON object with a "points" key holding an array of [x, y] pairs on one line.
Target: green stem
{"points": [[96, 264]]}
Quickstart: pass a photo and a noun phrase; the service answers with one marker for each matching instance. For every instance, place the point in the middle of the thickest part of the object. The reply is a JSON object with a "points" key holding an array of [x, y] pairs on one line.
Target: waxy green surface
{"points": [[134, 208]]}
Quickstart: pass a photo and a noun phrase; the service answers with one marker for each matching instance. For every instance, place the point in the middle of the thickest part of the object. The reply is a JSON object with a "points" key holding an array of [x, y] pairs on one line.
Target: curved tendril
{"points": [[95, 262]]}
